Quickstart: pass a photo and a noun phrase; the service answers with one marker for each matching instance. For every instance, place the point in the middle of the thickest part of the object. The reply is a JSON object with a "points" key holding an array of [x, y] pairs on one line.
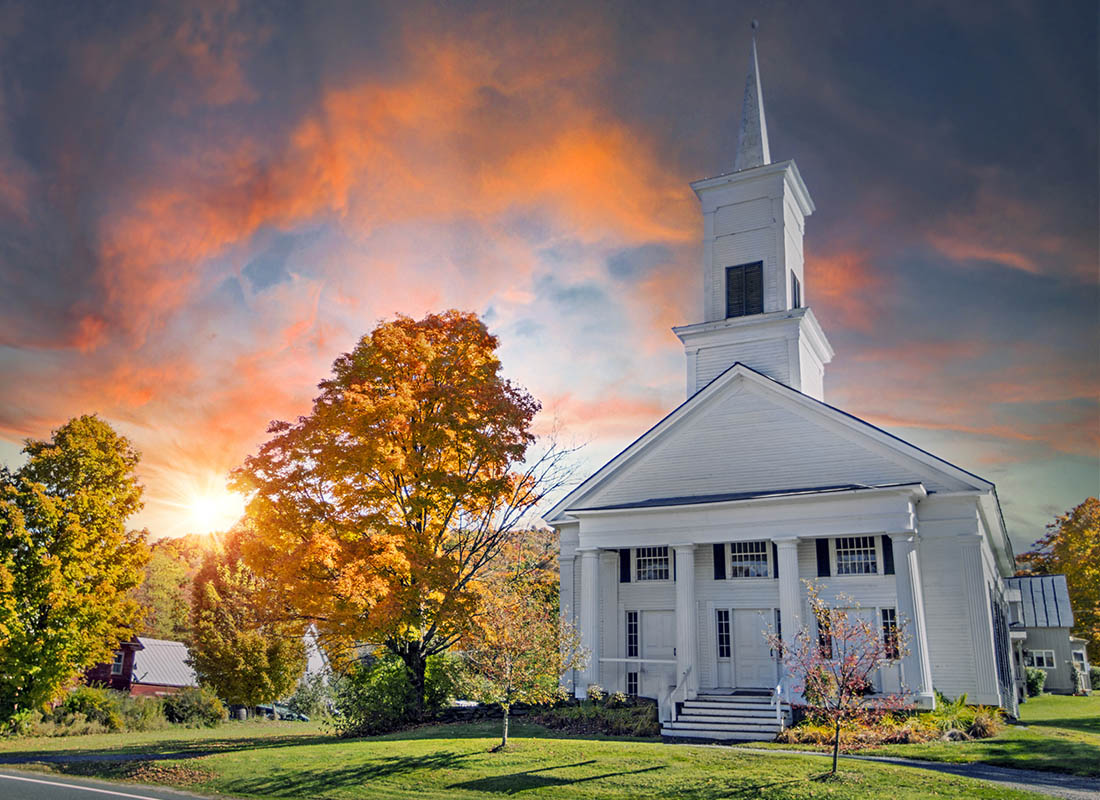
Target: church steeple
{"points": [[752, 139], [754, 286]]}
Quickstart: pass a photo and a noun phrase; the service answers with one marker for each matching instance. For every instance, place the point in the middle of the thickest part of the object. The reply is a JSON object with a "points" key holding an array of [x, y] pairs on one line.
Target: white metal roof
{"points": [[163, 663], [1044, 600]]}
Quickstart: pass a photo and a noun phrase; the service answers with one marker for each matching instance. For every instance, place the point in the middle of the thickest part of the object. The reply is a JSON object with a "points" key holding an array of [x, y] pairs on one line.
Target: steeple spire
{"points": [[752, 140]]}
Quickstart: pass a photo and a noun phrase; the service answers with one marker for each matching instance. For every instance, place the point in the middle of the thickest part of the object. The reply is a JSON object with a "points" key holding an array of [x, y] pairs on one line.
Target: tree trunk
{"points": [[416, 665], [504, 732], [836, 745]]}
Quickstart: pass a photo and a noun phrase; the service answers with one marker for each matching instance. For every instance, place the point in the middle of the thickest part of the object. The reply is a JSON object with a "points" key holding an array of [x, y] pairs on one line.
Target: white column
{"points": [[686, 619], [566, 563], [590, 618], [790, 594], [916, 666]]}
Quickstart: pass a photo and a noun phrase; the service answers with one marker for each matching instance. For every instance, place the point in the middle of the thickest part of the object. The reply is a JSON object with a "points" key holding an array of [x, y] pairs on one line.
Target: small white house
{"points": [[682, 551], [1040, 631]]}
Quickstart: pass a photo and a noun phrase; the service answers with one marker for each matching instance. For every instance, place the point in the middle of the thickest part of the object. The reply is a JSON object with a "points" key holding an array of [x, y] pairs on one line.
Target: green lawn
{"points": [[1056, 733], [1062, 734], [454, 762]]}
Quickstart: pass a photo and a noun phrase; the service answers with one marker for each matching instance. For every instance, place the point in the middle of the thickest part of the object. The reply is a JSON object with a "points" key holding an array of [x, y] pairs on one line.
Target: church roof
{"points": [[731, 497]]}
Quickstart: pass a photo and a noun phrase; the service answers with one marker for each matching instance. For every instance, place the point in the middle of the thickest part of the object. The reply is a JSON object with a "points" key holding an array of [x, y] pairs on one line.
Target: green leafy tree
{"points": [[165, 593], [68, 564], [240, 648], [519, 649], [1071, 546]]}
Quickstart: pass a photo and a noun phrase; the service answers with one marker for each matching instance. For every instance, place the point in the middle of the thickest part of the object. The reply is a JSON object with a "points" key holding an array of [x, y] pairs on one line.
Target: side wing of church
{"points": [[681, 552]]}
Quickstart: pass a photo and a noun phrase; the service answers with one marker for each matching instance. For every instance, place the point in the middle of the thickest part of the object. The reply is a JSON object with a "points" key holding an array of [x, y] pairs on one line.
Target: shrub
{"points": [[636, 718], [1094, 678], [375, 695], [195, 706], [618, 700], [1036, 678], [596, 693], [99, 706], [313, 697], [93, 709], [986, 723], [952, 715]]}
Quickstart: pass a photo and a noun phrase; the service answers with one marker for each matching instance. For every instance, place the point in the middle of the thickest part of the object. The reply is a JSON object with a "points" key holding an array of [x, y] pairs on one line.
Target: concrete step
{"points": [[701, 725], [734, 701], [727, 708], [711, 719]]}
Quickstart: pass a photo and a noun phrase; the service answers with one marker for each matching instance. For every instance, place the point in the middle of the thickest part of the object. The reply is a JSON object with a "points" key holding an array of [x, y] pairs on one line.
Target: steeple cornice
{"points": [[793, 177]]}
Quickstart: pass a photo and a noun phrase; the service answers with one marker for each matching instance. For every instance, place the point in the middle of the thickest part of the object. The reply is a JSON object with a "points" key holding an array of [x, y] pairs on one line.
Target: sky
{"points": [[203, 205]]}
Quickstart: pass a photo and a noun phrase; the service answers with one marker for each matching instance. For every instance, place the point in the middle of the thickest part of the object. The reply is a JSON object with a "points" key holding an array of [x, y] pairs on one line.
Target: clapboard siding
{"points": [[745, 442], [947, 619], [741, 217], [1059, 679], [767, 356]]}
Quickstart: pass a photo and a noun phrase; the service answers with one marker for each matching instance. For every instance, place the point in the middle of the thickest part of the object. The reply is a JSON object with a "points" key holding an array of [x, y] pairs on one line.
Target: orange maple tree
{"points": [[376, 514]]}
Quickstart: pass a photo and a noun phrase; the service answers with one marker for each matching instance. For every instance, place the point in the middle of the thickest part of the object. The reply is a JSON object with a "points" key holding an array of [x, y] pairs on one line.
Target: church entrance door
{"points": [[754, 667], [658, 643]]}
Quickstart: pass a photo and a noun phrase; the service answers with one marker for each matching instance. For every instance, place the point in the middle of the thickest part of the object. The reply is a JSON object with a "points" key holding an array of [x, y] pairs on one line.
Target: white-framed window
{"points": [[1079, 656], [750, 559], [856, 555], [632, 684], [722, 624], [652, 564], [632, 634], [1039, 658], [890, 632], [116, 663]]}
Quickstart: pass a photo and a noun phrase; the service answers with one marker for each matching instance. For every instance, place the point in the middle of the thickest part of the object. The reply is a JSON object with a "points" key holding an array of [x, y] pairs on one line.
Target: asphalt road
{"points": [[28, 786]]}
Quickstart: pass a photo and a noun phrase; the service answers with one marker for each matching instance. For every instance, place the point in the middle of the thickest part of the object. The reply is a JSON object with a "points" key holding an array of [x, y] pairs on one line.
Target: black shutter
{"points": [[719, 562], [775, 561], [754, 288], [673, 564], [887, 555], [735, 291], [822, 558], [624, 565]]}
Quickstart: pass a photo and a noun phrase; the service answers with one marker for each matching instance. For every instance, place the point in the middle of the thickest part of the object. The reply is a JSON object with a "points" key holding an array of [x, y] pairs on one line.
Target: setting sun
{"points": [[214, 510]]}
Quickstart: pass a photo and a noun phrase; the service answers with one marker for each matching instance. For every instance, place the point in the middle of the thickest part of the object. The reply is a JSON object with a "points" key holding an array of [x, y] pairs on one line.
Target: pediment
{"points": [[745, 433]]}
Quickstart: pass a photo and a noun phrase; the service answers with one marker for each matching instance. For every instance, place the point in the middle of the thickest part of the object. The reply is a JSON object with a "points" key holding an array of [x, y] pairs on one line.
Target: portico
{"points": [[736, 576]]}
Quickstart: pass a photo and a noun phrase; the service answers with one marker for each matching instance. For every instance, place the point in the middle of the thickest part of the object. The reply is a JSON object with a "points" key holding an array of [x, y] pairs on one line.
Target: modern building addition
{"points": [[683, 551]]}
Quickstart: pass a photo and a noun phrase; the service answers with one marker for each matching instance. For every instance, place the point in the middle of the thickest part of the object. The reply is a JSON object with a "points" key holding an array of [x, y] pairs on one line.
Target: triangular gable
{"points": [[745, 432]]}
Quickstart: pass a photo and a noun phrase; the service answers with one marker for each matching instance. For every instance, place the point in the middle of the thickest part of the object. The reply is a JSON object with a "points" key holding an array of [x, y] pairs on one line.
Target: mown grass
{"points": [[454, 761], [1056, 733]]}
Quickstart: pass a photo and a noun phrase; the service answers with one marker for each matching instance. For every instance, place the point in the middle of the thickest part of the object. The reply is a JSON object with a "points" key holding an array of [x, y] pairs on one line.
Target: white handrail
{"points": [[638, 660], [672, 695], [777, 701]]}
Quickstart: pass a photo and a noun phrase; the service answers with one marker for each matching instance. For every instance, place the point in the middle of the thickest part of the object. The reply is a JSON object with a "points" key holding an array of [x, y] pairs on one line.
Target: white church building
{"points": [[680, 553]]}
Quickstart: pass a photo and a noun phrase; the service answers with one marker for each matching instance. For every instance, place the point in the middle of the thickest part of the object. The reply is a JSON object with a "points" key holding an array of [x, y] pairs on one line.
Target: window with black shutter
{"points": [[745, 289], [822, 558], [796, 292]]}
